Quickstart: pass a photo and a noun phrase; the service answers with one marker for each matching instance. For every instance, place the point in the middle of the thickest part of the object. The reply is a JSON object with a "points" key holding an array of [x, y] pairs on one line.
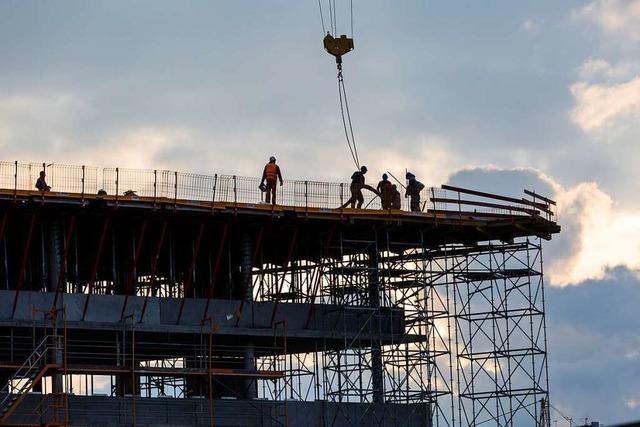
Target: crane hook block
{"points": [[338, 46]]}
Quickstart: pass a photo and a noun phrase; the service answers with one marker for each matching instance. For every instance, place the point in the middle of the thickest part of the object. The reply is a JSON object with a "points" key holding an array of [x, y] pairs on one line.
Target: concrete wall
{"points": [[117, 412], [162, 314]]}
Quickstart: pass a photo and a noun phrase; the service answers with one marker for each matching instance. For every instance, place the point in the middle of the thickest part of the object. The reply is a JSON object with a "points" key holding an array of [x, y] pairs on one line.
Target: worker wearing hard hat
{"points": [[414, 187], [384, 189], [357, 184], [271, 175]]}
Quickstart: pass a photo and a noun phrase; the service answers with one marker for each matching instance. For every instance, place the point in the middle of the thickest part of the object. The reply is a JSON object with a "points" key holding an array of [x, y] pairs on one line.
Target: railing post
{"points": [[175, 189], [117, 179], [235, 194], [213, 198], [155, 186], [44, 169], [82, 184], [459, 209], [306, 197], [15, 181]]}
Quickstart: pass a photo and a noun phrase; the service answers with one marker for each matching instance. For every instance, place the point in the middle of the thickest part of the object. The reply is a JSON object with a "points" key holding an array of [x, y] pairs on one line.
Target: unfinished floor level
{"points": [[190, 302]]}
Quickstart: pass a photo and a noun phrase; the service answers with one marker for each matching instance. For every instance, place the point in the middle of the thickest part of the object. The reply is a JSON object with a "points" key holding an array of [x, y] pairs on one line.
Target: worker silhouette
{"points": [[271, 175], [414, 187], [357, 184], [395, 198], [384, 189], [41, 184]]}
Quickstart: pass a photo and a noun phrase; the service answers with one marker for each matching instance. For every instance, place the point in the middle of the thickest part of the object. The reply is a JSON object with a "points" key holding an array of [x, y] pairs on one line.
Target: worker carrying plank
{"points": [[271, 175]]}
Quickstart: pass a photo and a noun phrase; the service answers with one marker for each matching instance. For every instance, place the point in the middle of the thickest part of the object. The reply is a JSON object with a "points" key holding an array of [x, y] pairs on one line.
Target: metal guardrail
{"points": [[173, 185]]}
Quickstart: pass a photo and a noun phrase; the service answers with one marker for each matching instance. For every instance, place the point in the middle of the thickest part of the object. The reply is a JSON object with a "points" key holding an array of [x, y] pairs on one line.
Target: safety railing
{"points": [[172, 185]]}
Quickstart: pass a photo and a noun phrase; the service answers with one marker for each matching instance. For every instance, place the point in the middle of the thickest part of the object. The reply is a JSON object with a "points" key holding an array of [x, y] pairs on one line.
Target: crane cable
{"points": [[344, 107], [342, 91], [562, 414]]}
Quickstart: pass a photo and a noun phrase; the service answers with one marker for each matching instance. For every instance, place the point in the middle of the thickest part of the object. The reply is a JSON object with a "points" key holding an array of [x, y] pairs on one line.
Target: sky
{"points": [[494, 95]]}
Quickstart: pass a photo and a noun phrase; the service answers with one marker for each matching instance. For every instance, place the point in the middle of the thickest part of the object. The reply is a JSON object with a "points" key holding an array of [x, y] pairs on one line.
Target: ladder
{"points": [[26, 377]]}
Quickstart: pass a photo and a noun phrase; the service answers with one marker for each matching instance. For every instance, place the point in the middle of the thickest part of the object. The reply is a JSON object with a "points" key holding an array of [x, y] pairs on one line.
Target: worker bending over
{"points": [[384, 188], [357, 184], [395, 198], [271, 175], [41, 184], [414, 187]]}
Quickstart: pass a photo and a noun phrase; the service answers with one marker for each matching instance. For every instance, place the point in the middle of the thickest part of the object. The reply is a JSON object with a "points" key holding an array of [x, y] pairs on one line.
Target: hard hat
{"points": [[385, 176], [409, 175], [364, 169], [272, 159]]}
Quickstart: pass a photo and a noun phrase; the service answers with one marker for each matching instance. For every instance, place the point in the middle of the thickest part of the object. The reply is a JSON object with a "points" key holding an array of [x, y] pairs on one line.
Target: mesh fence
{"points": [[174, 185]]}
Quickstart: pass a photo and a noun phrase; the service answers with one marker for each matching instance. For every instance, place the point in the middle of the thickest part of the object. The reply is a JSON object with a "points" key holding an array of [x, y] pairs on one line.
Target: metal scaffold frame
{"points": [[455, 299], [209, 299], [500, 334]]}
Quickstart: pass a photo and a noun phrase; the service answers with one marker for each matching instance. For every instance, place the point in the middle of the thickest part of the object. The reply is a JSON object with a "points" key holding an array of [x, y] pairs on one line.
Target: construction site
{"points": [[190, 301], [134, 297]]}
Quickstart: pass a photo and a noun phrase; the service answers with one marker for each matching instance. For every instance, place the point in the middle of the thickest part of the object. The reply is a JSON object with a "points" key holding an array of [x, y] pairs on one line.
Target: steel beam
{"points": [[23, 263], [130, 288], [96, 263], [65, 255], [192, 266], [249, 292], [216, 269], [154, 268], [292, 246]]}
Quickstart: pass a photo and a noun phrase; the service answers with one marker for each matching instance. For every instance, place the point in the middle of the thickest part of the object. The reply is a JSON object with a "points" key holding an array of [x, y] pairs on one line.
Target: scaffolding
{"points": [[192, 298]]}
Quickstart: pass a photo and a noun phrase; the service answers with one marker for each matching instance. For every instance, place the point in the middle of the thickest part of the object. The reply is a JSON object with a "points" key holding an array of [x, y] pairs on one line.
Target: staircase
{"points": [[26, 377]]}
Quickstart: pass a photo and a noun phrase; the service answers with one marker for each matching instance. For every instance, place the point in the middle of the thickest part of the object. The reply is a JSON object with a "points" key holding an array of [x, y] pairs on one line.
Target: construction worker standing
{"points": [[384, 188], [357, 184], [271, 175], [414, 187]]}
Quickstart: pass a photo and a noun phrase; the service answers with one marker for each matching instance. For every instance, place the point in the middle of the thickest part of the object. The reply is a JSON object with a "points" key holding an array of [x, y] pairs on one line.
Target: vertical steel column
{"points": [[247, 277], [292, 246], [192, 266], [63, 263], [311, 300], [377, 379], [23, 263], [154, 269], [96, 264], [249, 359], [3, 228], [130, 288], [216, 268]]}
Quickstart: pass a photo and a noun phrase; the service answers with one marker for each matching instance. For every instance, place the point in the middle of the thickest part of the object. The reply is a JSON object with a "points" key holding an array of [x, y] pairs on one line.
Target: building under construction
{"points": [[188, 301]]}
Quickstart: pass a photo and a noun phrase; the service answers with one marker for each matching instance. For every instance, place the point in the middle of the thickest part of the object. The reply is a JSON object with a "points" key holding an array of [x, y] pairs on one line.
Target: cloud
{"points": [[592, 329], [607, 236], [596, 234], [30, 123], [601, 105], [614, 17], [531, 26], [597, 69]]}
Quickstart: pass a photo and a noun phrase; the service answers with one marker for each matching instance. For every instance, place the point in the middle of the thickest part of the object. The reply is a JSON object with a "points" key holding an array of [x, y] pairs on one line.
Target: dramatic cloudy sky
{"points": [[498, 95]]}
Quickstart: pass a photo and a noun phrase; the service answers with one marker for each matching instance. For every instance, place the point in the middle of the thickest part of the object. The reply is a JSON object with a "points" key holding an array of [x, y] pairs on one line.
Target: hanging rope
{"points": [[324, 30], [351, 8], [346, 118]]}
